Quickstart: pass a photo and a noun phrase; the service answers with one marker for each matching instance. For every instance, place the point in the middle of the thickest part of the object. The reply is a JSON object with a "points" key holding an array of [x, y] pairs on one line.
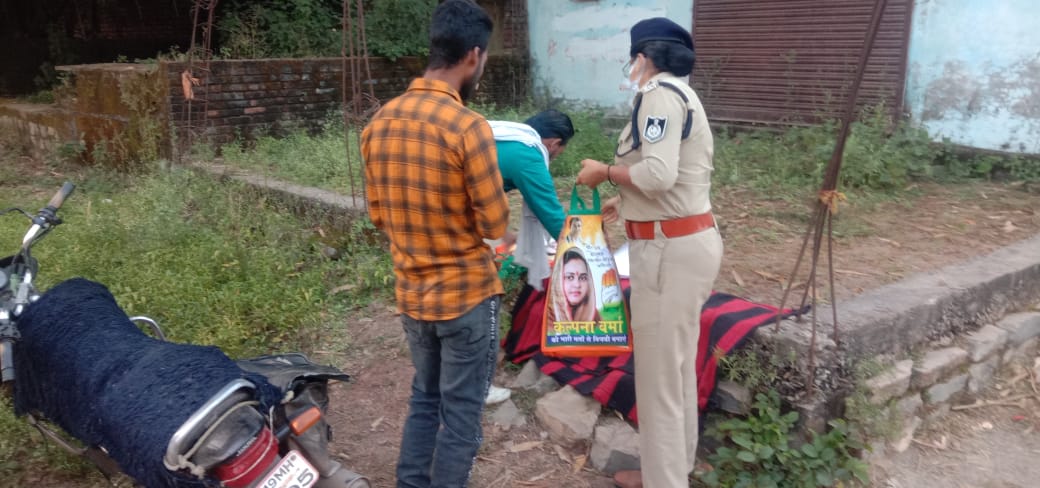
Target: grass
{"points": [[320, 160], [314, 160], [882, 160], [214, 263]]}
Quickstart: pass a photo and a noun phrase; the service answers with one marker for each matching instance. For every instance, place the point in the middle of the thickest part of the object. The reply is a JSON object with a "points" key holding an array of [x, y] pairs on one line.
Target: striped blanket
{"points": [[726, 321]]}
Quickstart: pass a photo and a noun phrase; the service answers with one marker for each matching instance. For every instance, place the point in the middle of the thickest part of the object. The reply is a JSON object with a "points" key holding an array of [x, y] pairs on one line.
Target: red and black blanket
{"points": [[726, 321]]}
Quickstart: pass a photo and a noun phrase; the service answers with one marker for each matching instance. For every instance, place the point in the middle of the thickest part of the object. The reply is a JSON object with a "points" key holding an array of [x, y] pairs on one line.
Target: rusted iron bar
{"points": [[204, 55], [826, 204], [347, 53], [354, 52]]}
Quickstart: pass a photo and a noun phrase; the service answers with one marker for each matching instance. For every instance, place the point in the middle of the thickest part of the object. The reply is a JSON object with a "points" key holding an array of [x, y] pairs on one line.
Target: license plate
{"points": [[293, 471]]}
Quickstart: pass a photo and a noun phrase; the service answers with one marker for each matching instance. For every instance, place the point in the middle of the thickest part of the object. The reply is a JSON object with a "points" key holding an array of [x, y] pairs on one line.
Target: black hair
{"points": [[457, 27], [552, 123], [672, 57]]}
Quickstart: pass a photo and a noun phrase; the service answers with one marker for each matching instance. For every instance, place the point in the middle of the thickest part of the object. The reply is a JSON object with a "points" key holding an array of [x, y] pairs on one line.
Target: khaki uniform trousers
{"points": [[671, 281]]}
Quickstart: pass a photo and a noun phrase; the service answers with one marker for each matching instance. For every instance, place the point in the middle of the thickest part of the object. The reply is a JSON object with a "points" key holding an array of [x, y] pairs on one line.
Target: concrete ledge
{"points": [[42, 127], [314, 197], [917, 311]]}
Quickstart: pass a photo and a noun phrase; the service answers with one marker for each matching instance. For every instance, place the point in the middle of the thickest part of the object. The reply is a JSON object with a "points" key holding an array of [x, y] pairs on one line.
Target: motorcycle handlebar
{"points": [[63, 193], [47, 216]]}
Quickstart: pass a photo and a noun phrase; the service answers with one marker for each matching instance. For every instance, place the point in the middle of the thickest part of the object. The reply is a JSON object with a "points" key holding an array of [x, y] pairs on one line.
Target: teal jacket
{"points": [[523, 169]]}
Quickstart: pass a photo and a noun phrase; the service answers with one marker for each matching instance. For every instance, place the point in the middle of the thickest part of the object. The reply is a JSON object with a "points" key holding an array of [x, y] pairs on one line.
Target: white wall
{"points": [[973, 73], [578, 47]]}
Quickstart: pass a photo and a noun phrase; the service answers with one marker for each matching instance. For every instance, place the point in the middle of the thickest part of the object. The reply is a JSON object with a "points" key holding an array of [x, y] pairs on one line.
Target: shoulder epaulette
{"points": [[652, 85]]}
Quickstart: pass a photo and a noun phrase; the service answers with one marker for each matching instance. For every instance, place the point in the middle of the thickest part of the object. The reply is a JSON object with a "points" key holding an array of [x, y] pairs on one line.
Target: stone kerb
{"points": [[299, 195]]}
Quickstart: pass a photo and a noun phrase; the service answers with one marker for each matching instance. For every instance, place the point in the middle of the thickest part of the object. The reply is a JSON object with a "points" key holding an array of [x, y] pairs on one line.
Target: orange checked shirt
{"points": [[433, 186]]}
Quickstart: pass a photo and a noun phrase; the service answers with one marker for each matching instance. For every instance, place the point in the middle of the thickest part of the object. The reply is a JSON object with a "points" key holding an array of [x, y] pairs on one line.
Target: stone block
{"points": [[936, 413], [568, 415], [908, 406], [980, 375], [890, 383], [906, 436], [1022, 353], [544, 385], [615, 447], [507, 416], [733, 398], [1021, 327], [944, 391], [528, 376], [937, 364], [985, 341]]}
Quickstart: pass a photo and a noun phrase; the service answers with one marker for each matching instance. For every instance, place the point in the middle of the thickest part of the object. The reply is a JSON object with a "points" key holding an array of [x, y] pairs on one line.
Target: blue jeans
{"points": [[454, 363]]}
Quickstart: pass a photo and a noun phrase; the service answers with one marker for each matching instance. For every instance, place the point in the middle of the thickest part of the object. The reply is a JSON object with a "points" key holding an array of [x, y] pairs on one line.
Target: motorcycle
{"points": [[163, 413]]}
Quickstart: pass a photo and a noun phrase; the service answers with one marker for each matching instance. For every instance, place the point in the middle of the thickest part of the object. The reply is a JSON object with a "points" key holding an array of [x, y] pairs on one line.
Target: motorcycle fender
{"points": [[287, 371]]}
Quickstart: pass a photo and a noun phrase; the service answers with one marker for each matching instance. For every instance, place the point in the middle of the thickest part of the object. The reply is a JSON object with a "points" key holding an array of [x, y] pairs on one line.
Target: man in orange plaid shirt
{"points": [[434, 188]]}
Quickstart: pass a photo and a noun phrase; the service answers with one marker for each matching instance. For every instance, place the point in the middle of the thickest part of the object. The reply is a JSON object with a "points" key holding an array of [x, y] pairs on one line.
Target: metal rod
{"points": [[830, 181], [830, 270], [826, 202], [797, 264]]}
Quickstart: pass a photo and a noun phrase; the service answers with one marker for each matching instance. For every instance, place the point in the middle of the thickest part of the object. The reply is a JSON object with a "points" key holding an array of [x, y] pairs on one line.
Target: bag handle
{"points": [[578, 206]]}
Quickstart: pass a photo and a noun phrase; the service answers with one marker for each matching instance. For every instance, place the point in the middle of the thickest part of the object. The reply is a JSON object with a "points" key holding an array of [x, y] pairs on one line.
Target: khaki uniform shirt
{"points": [[672, 175]]}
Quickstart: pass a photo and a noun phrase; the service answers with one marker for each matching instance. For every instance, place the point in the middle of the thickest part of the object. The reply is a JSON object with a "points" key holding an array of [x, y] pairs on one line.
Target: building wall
{"points": [[974, 73], [578, 47]]}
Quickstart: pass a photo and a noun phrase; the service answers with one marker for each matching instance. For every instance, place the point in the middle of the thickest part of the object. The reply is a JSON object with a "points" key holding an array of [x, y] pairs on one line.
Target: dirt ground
{"points": [[874, 244], [995, 445]]}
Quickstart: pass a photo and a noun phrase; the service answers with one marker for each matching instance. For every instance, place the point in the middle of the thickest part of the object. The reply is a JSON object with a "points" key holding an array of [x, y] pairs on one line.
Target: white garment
{"points": [[532, 239]]}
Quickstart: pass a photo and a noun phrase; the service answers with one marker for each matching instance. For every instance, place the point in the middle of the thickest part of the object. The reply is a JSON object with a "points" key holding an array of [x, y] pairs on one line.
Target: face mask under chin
{"points": [[631, 81]]}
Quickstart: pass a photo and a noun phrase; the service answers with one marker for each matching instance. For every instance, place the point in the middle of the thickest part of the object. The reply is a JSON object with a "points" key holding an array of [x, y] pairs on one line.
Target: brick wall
{"points": [[251, 97], [514, 27]]}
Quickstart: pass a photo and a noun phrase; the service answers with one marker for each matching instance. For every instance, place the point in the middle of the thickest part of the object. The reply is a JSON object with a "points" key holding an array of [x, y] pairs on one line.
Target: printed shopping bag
{"points": [[585, 312]]}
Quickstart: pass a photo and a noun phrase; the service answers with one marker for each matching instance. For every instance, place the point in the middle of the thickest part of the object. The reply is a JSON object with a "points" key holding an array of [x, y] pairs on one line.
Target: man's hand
{"points": [[609, 210], [507, 245], [592, 173], [509, 239]]}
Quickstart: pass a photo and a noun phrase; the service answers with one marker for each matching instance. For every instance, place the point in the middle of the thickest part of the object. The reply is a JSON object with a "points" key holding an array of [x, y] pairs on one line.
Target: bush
{"points": [[396, 28], [759, 452], [314, 28], [878, 156], [281, 28]]}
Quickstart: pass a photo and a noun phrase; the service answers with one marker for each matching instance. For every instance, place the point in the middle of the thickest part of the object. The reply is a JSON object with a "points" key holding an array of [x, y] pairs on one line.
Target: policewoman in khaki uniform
{"points": [[662, 169]]}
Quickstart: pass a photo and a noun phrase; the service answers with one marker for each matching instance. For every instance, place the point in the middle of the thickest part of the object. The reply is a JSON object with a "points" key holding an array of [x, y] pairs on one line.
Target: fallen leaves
{"points": [[851, 272], [376, 423], [524, 446], [342, 288], [579, 463], [890, 242], [737, 278], [940, 445]]}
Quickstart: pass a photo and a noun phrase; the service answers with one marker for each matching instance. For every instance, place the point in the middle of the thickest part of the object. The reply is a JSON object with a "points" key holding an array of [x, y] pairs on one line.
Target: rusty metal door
{"points": [[790, 62]]}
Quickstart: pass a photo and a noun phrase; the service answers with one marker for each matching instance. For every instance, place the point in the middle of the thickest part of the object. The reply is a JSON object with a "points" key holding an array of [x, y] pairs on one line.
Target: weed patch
{"points": [[760, 451], [312, 160]]}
